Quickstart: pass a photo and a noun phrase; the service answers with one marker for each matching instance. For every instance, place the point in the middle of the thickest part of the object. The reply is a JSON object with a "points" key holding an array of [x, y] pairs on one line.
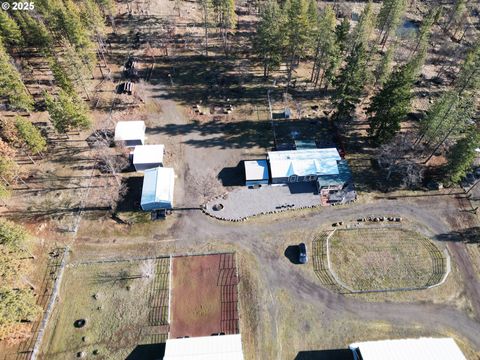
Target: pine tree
{"points": [[424, 33], [389, 18], [35, 33], [61, 76], [9, 30], [455, 120], [364, 29], [227, 19], [297, 34], [67, 112], [350, 83], [268, 41], [11, 84], [462, 155], [386, 65], [469, 76], [392, 104], [31, 136], [207, 9], [327, 52], [342, 32]]}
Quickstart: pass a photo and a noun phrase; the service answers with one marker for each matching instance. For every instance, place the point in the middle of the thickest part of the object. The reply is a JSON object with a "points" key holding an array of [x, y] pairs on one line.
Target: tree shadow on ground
{"points": [[292, 252], [147, 352], [468, 236], [232, 176], [131, 200], [339, 354]]}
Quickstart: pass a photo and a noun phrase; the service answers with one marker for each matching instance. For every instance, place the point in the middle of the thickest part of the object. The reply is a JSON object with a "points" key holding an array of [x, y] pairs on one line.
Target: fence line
{"points": [[50, 306]]}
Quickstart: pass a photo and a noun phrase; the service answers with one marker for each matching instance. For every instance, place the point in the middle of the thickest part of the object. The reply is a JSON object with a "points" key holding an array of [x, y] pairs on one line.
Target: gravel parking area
{"points": [[243, 203]]}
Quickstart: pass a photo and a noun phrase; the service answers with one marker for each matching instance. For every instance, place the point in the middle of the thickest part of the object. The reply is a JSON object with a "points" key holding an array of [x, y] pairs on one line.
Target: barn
{"points": [[157, 191]]}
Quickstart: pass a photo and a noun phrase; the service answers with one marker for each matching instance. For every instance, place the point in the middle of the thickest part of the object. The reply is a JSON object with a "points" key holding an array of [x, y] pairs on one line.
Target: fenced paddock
{"points": [[124, 304], [204, 295], [378, 259]]}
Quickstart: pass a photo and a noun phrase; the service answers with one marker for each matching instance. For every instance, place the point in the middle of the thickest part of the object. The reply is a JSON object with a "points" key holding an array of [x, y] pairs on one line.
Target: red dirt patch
{"points": [[204, 295]]}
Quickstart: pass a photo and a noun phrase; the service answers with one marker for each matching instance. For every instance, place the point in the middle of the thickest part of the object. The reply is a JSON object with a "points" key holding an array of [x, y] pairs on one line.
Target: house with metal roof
{"points": [[304, 165], [131, 133], [148, 157], [205, 348], [408, 349], [157, 191]]}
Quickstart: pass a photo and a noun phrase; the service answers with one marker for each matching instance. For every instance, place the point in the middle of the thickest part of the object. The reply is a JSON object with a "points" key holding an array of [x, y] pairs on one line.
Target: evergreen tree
{"points": [[11, 84], [469, 76], [424, 33], [227, 19], [297, 34], [462, 155], [31, 136], [350, 83], [342, 32], [389, 18], [364, 29], [327, 52], [67, 112], [392, 104], [9, 30], [207, 9], [386, 65], [35, 33], [268, 41], [61, 76]]}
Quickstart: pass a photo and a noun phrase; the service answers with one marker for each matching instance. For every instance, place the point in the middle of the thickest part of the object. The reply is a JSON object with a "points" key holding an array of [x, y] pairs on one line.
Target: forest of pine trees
{"points": [[360, 64]]}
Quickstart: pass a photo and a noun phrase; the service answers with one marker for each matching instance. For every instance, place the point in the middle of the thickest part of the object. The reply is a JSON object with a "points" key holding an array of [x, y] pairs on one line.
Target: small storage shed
{"points": [[132, 133], [157, 191], [256, 172], [148, 156], [221, 347]]}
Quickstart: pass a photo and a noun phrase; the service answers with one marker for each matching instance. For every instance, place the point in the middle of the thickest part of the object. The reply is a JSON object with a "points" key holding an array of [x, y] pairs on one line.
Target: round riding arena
{"points": [[204, 296], [383, 259]]}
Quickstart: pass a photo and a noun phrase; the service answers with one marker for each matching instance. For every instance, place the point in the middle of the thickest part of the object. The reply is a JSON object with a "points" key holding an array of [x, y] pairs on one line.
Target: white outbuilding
{"points": [[408, 349], [256, 172], [157, 191], [132, 133], [148, 156], [205, 348]]}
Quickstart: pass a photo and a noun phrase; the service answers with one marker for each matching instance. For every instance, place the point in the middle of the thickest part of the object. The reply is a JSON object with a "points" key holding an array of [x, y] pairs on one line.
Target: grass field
{"points": [[124, 304], [384, 258]]}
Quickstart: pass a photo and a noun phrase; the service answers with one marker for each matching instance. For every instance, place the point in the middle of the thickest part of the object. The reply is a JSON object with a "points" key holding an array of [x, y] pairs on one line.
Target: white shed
{"points": [[256, 172], [205, 348], [132, 133], [411, 349], [148, 156], [157, 191]]}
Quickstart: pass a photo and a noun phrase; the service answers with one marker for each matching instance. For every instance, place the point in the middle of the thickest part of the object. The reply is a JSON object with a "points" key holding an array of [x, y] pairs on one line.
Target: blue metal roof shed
{"points": [[157, 191]]}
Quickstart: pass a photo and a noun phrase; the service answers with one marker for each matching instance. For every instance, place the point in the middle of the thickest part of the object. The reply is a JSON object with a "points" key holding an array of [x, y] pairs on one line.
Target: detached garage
{"points": [[132, 133], [148, 157], [256, 172], [157, 191]]}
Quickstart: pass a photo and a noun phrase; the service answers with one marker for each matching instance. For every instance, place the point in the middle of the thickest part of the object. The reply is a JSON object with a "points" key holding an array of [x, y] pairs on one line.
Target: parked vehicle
{"points": [[302, 254]]}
